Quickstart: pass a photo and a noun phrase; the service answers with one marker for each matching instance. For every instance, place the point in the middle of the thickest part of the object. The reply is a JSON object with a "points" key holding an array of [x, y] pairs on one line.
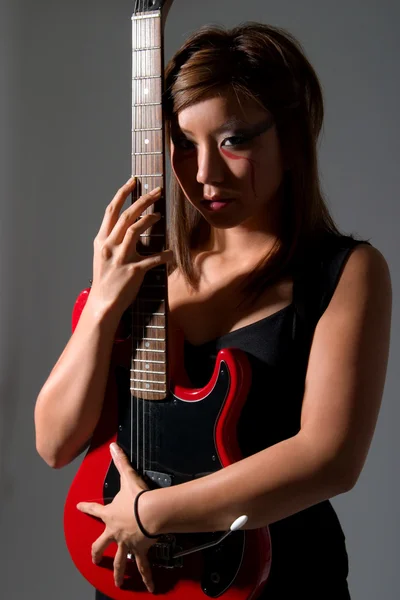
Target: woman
{"points": [[244, 110]]}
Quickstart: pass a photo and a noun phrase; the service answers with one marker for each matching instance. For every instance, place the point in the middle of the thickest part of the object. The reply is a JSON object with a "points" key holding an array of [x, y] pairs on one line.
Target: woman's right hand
{"points": [[118, 269]]}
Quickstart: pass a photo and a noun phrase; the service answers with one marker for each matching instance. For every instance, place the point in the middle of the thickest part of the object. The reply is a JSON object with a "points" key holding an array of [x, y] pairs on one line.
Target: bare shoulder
{"points": [[347, 365], [367, 262], [365, 280]]}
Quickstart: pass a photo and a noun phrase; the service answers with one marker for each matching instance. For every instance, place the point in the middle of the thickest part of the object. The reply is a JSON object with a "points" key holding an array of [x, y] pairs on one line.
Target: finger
{"points": [[155, 260], [131, 214], [111, 214], [132, 234], [91, 508], [99, 546], [144, 568], [120, 564], [124, 467], [121, 461]]}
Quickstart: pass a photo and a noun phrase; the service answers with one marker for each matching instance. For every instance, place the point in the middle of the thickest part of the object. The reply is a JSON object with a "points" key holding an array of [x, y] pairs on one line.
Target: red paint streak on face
{"points": [[251, 163]]}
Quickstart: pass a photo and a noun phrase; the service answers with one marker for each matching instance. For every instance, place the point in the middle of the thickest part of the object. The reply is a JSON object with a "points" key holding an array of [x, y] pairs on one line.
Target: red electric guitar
{"points": [[171, 434]]}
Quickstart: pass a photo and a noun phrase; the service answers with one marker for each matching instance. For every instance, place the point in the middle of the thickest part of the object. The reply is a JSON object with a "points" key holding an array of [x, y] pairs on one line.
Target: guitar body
{"points": [[192, 433]]}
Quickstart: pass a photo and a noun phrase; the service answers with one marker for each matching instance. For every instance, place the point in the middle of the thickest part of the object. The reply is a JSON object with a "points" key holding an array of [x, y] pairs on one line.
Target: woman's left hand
{"points": [[120, 522]]}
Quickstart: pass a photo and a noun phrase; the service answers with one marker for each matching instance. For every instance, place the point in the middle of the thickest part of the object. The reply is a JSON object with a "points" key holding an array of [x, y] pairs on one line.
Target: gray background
{"points": [[65, 147]]}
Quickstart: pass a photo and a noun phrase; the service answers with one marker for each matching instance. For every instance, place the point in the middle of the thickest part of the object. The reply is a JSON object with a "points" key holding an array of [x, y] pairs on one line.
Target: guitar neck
{"points": [[149, 314]]}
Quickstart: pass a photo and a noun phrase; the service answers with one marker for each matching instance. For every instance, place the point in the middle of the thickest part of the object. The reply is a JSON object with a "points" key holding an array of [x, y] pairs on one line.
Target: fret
{"points": [[158, 152], [147, 175], [148, 77], [148, 104], [157, 383], [134, 389], [148, 339], [150, 350], [150, 16], [148, 48], [149, 129], [156, 362], [139, 339], [147, 381], [152, 372], [152, 326]]}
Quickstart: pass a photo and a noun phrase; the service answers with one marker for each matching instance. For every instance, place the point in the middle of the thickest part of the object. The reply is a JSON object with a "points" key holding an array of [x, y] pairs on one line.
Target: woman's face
{"points": [[227, 158]]}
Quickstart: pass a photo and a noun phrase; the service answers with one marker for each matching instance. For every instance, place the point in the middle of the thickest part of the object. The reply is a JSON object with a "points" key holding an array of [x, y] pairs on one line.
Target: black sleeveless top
{"points": [[309, 556]]}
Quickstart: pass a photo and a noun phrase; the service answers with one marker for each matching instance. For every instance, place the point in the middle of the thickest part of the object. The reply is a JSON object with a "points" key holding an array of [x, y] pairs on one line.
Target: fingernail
{"points": [[131, 179], [157, 190], [114, 449]]}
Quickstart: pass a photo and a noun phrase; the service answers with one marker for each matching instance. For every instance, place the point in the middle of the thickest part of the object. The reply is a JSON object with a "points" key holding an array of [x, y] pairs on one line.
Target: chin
{"points": [[220, 221]]}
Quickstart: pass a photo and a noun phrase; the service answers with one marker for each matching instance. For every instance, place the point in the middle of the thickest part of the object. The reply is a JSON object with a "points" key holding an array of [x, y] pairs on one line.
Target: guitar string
{"points": [[143, 55], [133, 161], [135, 83], [139, 111]]}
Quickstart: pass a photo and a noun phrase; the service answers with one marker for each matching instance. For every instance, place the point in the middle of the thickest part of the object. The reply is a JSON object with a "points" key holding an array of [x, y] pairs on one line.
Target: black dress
{"points": [[309, 558]]}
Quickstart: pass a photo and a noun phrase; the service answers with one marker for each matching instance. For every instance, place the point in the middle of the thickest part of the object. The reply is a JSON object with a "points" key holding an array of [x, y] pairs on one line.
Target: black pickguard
{"points": [[171, 442]]}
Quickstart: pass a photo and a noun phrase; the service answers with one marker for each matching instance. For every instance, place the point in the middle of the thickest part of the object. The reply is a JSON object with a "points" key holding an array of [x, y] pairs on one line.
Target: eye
{"points": [[183, 143], [236, 140]]}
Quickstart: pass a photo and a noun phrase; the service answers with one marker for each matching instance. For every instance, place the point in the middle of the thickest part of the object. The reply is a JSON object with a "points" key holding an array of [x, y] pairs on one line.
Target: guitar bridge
{"points": [[162, 553]]}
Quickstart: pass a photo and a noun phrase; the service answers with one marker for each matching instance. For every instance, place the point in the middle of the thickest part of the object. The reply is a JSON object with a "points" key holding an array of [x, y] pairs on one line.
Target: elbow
{"points": [[48, 451], [344, 482], [49, 456], [342, 478], [348, 478], [46, 445]]}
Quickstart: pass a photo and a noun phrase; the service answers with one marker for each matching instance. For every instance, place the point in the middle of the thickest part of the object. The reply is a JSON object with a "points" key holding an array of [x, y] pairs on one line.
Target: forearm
{"points": [[70, 402], [267, 487]]}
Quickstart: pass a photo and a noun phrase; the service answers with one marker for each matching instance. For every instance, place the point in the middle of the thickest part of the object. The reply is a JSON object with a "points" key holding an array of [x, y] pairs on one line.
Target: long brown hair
{"points": [[268, 65]]}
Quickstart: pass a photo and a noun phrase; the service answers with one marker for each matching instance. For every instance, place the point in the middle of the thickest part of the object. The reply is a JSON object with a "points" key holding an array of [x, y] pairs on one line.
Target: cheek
{"points": [[250, 167], [183, 167]]}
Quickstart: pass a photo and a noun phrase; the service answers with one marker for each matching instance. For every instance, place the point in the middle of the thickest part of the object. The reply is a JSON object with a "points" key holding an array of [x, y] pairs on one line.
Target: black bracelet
{"points": [[135, 510]]}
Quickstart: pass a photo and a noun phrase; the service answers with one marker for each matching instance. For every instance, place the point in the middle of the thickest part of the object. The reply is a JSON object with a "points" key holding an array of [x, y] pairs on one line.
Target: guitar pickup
{"points": [[161, 479]]}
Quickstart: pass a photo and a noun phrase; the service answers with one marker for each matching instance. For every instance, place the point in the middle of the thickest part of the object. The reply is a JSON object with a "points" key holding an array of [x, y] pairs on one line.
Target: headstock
{"points": [[144, 6]]}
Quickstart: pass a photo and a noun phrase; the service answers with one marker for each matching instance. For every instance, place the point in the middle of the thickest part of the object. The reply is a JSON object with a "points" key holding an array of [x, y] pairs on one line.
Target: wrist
{"points": [[151, 512], [102, 315], [139, 523]]}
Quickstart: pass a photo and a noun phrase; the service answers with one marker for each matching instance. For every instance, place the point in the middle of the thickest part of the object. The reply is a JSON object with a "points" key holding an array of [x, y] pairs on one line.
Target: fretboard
{"points": [[149, 314]]}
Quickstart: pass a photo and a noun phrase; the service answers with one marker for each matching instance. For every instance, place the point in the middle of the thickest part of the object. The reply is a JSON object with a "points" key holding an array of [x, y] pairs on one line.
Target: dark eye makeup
{"points": [[240, 138]]}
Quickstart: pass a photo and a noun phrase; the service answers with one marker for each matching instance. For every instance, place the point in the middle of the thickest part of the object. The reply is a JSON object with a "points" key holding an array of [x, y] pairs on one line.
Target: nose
{"points": [[210, 165]]}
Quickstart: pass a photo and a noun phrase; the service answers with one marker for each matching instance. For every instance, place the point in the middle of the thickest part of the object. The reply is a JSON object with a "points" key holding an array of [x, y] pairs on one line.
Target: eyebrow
{"points": [[233, 122]]}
